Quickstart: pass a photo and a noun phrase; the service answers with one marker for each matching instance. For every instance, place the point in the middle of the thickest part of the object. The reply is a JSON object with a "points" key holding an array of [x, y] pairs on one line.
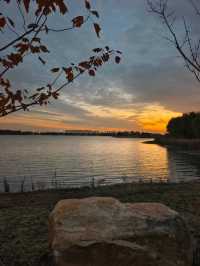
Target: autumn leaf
{"points": [[2, 22], [105, 57], [117, 59], [15, 58], [97, 50], [67, 70], [36, 39], [44, 49], [84, 64], [98, 62], [34, 49], [18, 96], [55, 94], [94, 12], [81, 70], [32, 25], [25, 40], [70, 76], [43, 97], [49, 86], [26, 5], [40, 89], [87, 4], [91, 72], [62, 6], [22, 47], [55, 69], [97, 29], [78, 21]]}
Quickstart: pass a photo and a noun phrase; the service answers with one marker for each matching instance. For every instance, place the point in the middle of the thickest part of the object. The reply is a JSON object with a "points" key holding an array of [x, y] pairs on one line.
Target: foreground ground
{"points": [[24, 216]]}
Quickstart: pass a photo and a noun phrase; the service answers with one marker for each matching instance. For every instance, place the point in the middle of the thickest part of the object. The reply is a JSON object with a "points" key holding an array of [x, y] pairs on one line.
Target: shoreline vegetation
{"points": [[118, 134], [182, 132], [24, 216], [185, 143]]}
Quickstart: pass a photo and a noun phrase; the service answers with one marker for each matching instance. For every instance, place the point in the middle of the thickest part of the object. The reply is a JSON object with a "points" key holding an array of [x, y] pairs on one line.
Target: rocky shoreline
{"points": [[24, 216]]}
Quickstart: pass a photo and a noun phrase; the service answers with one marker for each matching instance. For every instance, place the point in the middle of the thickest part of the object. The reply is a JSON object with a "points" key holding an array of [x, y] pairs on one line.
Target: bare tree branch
{"points": [[188, 48]]}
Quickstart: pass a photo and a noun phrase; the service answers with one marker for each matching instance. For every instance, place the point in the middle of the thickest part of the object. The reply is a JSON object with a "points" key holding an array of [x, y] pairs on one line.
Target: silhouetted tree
{"points": [[185, 126], [189, 46], [29, 40]]}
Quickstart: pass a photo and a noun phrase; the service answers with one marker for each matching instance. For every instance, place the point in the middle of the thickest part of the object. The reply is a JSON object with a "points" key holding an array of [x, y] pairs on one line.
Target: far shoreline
{"points": [[89, 133]]}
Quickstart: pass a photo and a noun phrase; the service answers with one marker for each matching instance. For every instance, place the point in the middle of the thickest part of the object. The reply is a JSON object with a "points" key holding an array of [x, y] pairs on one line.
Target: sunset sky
{"points": [[150, 86]]}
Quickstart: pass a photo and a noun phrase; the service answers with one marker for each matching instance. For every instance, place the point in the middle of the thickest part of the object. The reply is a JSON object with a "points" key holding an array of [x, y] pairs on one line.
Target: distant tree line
{"points": [[119, 134], [185, 126]]}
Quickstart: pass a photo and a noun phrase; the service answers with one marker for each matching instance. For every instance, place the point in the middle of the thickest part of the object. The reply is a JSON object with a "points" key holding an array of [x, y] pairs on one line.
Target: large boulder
{"points": [[104, 232]]}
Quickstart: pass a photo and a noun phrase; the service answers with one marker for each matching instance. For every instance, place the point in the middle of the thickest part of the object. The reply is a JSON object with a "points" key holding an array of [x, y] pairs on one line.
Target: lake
{"points": [[71, 161]]}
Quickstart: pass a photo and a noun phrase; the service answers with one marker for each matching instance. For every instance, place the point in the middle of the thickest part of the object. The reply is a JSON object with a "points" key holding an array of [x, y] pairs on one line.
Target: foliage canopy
{"points": [[185, 126]]}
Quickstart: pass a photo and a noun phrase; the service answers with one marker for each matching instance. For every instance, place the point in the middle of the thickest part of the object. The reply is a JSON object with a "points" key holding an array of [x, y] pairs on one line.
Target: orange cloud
{"points": [[153, 118]]}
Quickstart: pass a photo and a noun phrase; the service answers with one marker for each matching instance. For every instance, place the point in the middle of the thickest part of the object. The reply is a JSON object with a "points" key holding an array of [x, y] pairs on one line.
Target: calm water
{"points": [[75, 161]]}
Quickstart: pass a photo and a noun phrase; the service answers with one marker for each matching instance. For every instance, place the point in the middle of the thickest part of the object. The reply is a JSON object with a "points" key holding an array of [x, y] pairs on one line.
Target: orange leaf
{"points": [[91, 72], [94, 12], [54, 70], [97, 50], [87, 4], [105, 57], [25, 40], [84, 64], [62, 6], [67, 70], [81, 70], [117, 59], [78, 21], [35, 49], [36, 39], [2, 22], [44, 49], [98, 62], [40, 89], [70, 76], [32, 25], [97, 29], [18, 96], [55, 95], [26, 5]]}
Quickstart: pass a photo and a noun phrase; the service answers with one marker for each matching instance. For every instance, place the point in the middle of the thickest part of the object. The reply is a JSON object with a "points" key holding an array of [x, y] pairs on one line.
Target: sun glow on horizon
{"points": [[152, 118]]}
